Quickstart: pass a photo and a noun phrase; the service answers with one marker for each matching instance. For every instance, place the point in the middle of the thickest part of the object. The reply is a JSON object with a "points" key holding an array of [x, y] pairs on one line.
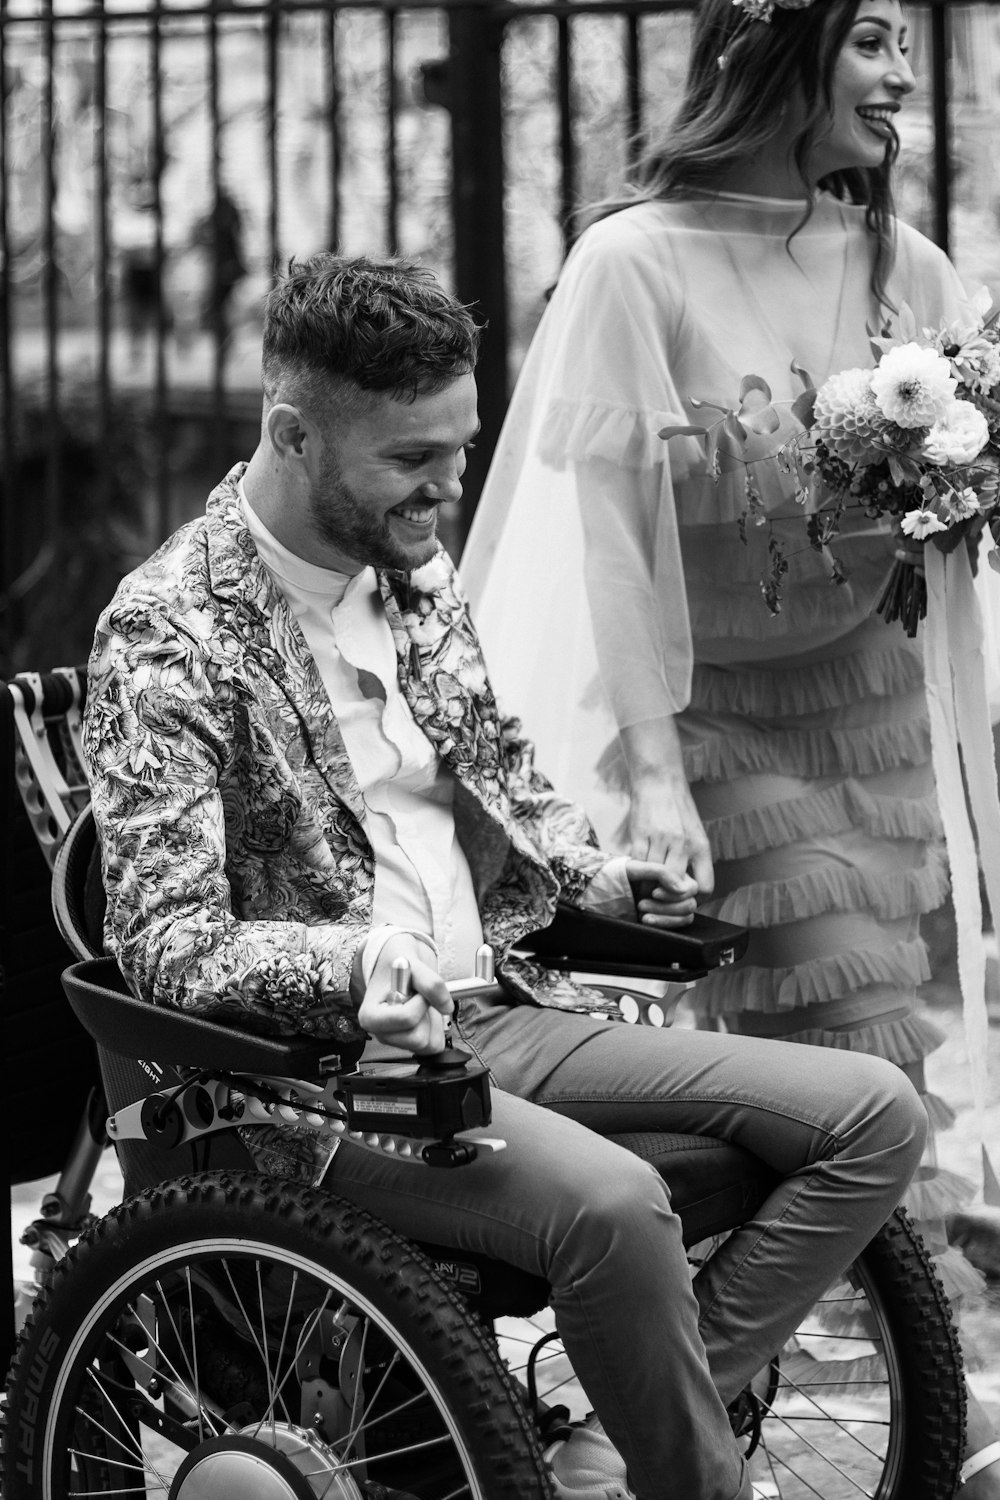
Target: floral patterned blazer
{"points": [[238, 871]]}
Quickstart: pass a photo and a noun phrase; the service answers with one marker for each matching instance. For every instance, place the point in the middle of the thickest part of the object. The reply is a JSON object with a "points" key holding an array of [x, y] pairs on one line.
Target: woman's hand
{"points": [[661, 901], [417, 1023], [664, 828]]}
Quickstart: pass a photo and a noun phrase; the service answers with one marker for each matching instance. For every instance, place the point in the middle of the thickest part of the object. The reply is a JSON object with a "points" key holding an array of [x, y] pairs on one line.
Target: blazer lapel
{"points": [[443, 678], [274, 648]]}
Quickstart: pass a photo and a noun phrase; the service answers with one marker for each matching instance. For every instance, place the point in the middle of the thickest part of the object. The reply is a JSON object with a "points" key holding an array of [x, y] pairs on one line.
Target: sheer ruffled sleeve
{"points": [[614, 319], [635, 589], [578, 518], [612, 325]]}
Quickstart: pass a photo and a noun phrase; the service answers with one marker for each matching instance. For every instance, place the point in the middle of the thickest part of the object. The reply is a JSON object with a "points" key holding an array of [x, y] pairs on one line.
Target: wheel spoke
{"points": [[406, 1451], [826, 1416], [162, 1355], [417, 1399], [193, 1361], [265, 1352], [190, 1388], [269, 1414], [133, 1447]]}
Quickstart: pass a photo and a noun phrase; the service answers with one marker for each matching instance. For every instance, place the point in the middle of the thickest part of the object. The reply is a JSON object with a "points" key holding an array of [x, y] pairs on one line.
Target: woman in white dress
{"points": [[780, 763]]}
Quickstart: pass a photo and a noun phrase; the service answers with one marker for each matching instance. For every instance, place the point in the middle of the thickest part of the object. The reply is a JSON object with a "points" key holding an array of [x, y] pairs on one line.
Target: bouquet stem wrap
{"points": [[959, 716]]}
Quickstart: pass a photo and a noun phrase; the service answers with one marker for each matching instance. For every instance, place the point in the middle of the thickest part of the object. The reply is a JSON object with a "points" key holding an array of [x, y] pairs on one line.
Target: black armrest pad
{"points": [[133, 1028], [582, 940]]}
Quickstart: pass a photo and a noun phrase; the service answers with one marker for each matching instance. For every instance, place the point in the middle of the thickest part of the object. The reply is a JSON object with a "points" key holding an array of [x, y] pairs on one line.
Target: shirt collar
{"points": [[304, 576]]}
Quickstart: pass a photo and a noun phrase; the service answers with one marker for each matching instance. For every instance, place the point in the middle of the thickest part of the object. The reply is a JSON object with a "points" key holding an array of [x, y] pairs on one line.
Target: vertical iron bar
{"points": [[213, 306], [633, 87], [273, 34], [50, 516], [334, 126], [161, 416], [102, 250], [940, 68], [391, 161], [475, 41], [7, 440], [567, 148]]}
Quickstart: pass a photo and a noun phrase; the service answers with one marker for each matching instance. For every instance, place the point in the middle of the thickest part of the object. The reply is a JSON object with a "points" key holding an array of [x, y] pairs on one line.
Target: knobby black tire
{"points": [[934, 1395], [80, 1326]]}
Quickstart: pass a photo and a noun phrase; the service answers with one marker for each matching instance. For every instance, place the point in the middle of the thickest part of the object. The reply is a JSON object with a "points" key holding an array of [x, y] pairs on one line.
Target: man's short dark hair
{"points": [[363, 325]]}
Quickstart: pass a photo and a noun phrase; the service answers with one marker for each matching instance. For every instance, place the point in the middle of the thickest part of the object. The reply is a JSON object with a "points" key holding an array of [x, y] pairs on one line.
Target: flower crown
{"points": [[762, 10]]}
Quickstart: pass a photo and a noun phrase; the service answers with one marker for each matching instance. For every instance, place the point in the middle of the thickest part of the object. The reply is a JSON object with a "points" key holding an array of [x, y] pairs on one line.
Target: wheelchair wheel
{"points": [[228, 1335], [869, 1397], [867, 1400]]}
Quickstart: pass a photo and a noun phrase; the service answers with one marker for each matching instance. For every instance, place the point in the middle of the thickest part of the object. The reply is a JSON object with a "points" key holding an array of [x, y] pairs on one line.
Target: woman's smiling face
{"points": [[871, 78]]}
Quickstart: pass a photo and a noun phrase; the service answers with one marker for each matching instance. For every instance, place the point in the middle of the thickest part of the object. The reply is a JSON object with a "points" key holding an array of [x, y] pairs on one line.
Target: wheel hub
{"points": [[280, 1462]]}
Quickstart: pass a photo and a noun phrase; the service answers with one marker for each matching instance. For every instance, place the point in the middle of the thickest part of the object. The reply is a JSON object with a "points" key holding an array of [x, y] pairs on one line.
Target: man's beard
{"points": [[345, 523]]}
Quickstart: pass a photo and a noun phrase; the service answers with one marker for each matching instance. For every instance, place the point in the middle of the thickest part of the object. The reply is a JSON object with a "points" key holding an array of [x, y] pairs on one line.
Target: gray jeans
{"points": [[658, 1355]]}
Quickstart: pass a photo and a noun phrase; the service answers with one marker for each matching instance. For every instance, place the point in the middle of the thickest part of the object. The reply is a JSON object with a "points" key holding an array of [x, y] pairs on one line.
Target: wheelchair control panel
{"points": [[414, 1108]]}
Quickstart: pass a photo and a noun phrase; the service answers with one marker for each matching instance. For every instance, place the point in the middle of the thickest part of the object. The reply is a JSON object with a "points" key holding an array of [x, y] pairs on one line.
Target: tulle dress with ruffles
{"points": [[611, 585]]}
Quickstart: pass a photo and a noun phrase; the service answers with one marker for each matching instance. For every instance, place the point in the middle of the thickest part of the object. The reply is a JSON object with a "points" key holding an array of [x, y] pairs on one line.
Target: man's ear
{"points": [[288, 432]]}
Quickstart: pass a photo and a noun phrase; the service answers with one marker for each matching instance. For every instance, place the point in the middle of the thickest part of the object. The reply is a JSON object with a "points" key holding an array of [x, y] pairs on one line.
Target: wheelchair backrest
{"points": [[47, 836], [51, 1063]]}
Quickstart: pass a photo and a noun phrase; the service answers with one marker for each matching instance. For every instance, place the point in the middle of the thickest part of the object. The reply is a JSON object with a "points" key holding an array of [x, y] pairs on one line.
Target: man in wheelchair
{"points": [[300, 776]]}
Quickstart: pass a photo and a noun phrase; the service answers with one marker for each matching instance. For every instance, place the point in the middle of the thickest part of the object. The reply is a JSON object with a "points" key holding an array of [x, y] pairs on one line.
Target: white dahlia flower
{"points": [[846, 417], [958, 435], [913, 386]]}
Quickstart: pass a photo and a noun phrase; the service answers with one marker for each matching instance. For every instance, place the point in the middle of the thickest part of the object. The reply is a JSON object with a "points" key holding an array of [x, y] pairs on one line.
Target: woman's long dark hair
{"points": [[740, 74]]}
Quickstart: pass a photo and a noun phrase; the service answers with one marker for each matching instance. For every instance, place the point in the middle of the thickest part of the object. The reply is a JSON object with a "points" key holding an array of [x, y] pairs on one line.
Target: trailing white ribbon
{"points": [[955, 669]]}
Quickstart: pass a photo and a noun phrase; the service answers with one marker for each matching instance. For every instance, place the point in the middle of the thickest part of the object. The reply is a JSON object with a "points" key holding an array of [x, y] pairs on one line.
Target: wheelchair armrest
{"points": [[588, 943], [133, 1028]]}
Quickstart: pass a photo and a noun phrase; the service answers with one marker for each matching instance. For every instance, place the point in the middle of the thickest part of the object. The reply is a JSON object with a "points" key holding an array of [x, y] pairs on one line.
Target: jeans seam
{"points": [[550, 1101], [737, 1269]]}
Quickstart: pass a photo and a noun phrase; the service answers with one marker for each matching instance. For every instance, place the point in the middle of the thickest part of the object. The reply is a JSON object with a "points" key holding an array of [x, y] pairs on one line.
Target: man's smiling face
{"points": [[382, 473]]}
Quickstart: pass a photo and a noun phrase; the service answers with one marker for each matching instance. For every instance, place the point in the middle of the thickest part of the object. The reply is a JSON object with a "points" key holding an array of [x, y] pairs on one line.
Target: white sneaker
{"points": [[587, 1466]]}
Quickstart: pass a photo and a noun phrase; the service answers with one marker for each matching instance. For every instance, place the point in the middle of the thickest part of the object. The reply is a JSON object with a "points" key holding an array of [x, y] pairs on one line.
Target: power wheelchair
{"points": [[223, 1333]]}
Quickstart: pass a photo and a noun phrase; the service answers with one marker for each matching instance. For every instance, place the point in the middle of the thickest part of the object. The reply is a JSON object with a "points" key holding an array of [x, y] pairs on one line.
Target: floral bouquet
{"points": [[916, 438]]}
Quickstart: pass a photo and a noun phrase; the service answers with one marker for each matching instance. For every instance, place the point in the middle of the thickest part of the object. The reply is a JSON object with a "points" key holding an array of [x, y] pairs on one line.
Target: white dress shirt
{"points": [[423, 883]]}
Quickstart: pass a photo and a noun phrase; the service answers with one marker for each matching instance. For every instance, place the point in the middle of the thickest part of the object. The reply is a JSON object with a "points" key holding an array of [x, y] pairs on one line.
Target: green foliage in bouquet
{"points": [[916, 439]]}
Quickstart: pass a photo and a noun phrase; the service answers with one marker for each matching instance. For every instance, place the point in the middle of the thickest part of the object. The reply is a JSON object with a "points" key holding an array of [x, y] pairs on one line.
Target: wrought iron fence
{"points": [[158, 161]]}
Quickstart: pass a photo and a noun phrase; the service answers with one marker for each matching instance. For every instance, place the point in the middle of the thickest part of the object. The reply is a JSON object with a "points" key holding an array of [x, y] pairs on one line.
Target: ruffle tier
{"points": [[939, 1112], [817, 981], [780, 692], [961, 1282], [835, 809], [818, 611], [905, 1041], [867, 750], [836, 887], [935, 1192]]}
